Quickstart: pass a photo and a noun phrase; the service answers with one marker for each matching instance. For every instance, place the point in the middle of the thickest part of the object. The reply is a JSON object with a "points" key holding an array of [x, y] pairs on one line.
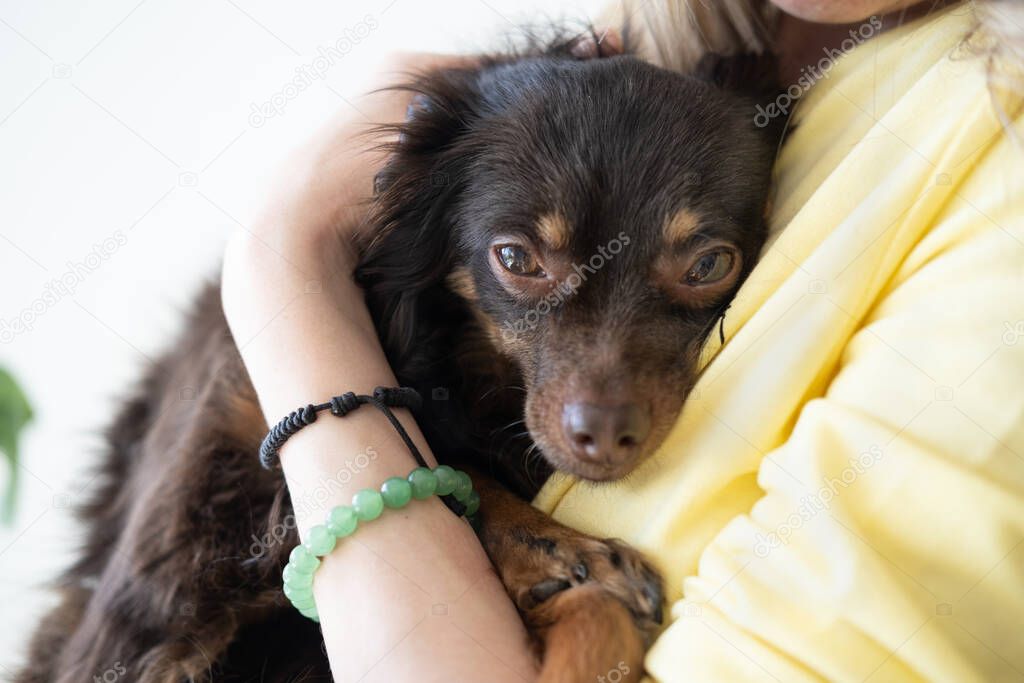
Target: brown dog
{"points": [[556, 240]]}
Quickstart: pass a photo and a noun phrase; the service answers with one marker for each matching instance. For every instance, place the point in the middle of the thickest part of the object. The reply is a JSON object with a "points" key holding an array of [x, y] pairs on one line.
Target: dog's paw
{"points": [[626, 573], [553, 563]]}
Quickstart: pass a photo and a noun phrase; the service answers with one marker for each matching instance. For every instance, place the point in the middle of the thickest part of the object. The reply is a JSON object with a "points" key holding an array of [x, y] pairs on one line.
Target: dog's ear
{"points": [[412, 244], [752, 74], [444, 105], [754, 77]]}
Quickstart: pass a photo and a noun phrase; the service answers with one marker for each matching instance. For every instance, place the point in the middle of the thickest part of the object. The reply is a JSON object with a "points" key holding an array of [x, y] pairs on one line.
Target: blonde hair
{"points": [[676, 33], [1000, 37]]}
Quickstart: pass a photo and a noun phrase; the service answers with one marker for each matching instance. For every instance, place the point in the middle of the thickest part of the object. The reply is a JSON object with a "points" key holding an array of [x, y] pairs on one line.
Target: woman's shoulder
{"points": [[917, 108]]}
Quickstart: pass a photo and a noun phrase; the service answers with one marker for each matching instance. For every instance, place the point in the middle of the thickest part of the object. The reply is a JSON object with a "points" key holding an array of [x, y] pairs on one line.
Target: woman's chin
{"points": [[840, 11]]}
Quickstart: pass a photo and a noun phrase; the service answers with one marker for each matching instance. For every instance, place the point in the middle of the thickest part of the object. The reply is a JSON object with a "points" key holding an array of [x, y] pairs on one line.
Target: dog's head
{"points": [[596, 217]]}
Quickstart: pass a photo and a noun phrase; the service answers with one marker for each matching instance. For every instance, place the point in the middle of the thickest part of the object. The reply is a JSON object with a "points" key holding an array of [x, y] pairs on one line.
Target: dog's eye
{"points": [[710, 268], [518, 260]]}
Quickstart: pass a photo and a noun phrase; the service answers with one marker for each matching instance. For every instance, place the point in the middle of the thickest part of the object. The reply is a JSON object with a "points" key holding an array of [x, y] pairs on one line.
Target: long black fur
{"points": [[179, 578]]}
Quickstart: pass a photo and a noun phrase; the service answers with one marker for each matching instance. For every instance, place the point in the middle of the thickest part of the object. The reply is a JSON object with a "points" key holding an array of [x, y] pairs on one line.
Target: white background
{"points": [[129, 122]]}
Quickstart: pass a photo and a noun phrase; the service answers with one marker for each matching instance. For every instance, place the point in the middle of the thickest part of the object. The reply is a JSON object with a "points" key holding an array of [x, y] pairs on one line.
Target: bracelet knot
{"points": [[382, 399], [342, 405], [306, 415], [398, 397]]}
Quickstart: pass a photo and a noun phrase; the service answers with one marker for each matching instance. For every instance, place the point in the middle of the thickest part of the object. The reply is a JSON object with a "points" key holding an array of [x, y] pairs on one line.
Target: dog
{"points": [[554, 241]]}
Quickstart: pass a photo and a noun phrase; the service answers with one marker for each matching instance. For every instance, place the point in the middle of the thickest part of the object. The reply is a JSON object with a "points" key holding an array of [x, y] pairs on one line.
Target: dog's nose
{"points": [[605, 434]]}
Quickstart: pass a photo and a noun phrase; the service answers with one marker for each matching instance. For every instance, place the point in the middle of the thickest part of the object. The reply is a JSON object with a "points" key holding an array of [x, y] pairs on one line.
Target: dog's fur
{"points": [[541, 150]]}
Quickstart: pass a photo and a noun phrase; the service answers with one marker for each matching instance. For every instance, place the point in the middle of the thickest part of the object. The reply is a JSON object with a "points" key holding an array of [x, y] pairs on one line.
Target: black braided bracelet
{"points": [[383, 399]]}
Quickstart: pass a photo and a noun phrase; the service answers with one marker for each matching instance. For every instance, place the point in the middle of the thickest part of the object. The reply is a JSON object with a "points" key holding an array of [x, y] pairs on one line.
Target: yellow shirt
{"points": [[843, 495]]}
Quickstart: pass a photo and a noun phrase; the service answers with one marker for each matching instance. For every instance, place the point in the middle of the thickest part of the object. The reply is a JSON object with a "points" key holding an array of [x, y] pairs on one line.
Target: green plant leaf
{"points": [[15, 413]]}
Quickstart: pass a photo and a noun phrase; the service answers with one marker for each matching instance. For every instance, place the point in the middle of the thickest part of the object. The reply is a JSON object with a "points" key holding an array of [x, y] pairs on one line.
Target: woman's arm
{"points": [[411, 596]]}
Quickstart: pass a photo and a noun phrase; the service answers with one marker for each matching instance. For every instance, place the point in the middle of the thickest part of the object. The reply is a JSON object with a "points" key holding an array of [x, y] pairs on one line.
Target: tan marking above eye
{"points": [[461, 282], [554, 230], [680, 226]]}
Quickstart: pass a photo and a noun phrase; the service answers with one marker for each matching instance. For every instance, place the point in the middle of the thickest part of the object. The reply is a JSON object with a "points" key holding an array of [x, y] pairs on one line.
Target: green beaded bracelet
{"points": [[367, 505]]}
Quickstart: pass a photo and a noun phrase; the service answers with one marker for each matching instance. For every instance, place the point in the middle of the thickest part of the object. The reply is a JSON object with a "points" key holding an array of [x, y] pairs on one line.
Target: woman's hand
{"points": [[305, 334]]}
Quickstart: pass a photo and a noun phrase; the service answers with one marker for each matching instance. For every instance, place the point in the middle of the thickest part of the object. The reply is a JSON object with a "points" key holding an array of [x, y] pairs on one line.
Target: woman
{"points": [[843, 496]]}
